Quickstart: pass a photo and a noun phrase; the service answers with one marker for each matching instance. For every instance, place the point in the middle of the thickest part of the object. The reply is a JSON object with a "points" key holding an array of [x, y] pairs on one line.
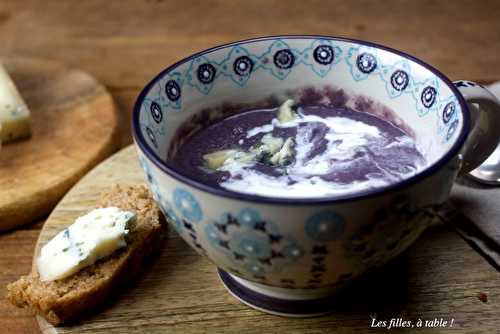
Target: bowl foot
{"points": [[279, 301]]}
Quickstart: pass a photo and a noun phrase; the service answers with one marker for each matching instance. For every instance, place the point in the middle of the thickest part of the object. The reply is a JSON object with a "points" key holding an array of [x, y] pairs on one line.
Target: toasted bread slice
{"points": [[67, 299]]}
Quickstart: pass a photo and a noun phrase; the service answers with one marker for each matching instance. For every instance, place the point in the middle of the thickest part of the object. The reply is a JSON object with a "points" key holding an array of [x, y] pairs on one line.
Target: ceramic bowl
{"points": [[287, 256]]}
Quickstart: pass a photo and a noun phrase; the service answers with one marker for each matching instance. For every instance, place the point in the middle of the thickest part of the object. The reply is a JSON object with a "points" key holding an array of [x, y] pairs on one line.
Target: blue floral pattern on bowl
{"points": [[322, 59], [325, 226], [187, 205], [253, 244], [390, 231]]}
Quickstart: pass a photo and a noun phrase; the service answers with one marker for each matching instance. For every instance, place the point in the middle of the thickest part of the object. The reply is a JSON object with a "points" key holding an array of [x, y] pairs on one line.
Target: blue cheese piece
{"points": [[274, 147], [14, 114], [92, 237], [216, 159], [285, 155], [270, 145], [286, 112]]}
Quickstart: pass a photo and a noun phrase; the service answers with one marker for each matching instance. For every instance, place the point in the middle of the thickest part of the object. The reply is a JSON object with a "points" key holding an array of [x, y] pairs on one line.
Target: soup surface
{"points": [[300, 152]]}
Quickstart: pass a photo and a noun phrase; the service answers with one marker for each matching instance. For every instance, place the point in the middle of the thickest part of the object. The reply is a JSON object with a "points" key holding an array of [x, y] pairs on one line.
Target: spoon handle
{"points": [[487, 247]]}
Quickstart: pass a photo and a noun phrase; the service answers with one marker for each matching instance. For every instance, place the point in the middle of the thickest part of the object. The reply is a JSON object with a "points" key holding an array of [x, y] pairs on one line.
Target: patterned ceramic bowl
{"points": [[287, 256]]}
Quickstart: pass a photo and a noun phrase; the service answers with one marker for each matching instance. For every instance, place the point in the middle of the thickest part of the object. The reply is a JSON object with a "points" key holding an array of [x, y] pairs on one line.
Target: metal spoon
{"points": [[489, 171]]}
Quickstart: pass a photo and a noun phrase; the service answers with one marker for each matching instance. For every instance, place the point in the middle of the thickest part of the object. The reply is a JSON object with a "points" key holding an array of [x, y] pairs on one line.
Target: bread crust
{"points": [[68, 299]]}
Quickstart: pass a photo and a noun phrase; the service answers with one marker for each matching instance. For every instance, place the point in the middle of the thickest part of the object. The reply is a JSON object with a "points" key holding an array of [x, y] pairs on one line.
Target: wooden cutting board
{"points": [[74, 126], [438, 277]]}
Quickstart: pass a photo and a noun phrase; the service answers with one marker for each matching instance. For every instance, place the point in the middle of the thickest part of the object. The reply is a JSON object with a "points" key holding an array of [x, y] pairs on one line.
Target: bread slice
{"points": [[68, 299]]}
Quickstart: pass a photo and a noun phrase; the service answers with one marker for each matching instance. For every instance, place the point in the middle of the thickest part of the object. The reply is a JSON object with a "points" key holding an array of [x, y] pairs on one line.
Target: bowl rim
{"points": [[170, 170]]}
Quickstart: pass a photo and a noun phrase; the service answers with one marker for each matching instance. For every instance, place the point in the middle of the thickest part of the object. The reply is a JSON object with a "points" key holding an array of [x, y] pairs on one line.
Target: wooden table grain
{"points": [[124, 43]]}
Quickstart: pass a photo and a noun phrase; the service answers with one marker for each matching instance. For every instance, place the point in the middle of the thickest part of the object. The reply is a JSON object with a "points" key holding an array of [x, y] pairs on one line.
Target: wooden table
{"points": [[124, 43]]}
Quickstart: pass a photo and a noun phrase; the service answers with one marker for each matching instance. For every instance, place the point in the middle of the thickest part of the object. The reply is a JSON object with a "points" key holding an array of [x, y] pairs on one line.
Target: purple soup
{"points": [[300, 151]]}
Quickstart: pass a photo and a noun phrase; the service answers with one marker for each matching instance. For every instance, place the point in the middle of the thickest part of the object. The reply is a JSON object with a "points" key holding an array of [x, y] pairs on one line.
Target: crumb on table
{"points": [[483, 297]]}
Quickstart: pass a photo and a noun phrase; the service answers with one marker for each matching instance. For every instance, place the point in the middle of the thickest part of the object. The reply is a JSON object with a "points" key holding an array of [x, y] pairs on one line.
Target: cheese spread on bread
{"points": [[92, 237]]}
